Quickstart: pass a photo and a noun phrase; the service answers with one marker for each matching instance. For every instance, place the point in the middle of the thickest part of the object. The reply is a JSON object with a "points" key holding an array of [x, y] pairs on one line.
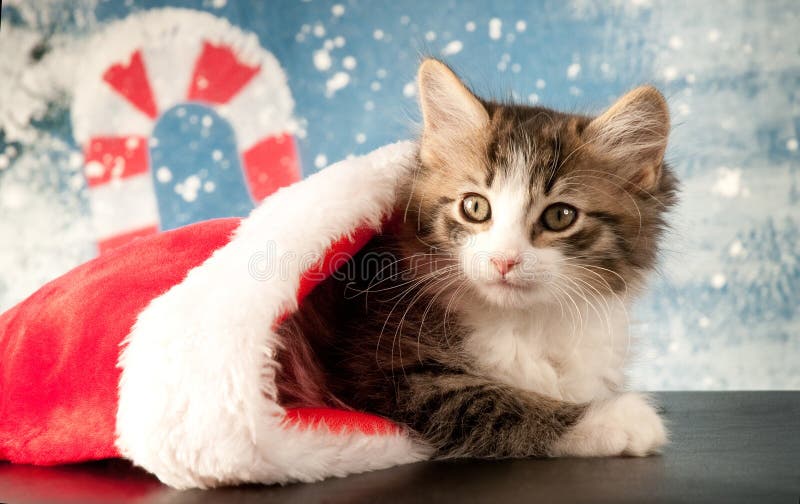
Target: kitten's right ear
{"points": [[453, 117], [634, 131]]}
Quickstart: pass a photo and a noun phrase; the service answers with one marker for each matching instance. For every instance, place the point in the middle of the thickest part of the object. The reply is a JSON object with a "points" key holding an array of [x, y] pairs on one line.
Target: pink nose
{"points": [[504, 264]]}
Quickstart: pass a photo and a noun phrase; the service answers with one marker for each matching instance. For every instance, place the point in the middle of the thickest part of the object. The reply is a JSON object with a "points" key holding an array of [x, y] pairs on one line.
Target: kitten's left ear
{"points": [[634, 132]]}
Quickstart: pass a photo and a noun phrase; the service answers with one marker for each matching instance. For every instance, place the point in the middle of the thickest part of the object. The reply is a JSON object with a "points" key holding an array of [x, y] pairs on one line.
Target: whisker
{"points": [[369, 288], [397, 333], [427, 309]]}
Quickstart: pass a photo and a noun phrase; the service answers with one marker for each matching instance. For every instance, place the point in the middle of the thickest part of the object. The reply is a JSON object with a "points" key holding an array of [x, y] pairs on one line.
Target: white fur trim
{"points": [[197, 393]]}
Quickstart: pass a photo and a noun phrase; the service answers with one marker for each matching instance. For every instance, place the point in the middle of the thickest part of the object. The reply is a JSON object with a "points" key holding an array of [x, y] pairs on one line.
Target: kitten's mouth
{"points": [[505, 283]]}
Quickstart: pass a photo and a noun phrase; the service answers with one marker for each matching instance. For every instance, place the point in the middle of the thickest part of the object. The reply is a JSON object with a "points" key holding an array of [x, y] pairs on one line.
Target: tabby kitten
{"points": [[499, 326]]}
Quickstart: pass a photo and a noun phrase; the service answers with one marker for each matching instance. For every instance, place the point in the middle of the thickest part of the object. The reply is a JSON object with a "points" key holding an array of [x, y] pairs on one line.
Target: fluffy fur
{"points": [[502, 337]]}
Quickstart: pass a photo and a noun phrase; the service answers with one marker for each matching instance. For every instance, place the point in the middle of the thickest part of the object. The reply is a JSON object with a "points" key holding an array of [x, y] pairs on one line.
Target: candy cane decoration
{"points": [[149, 63]]}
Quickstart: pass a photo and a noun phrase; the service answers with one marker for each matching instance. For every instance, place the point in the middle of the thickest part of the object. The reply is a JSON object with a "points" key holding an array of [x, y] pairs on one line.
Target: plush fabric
{"points": [[58, 383], [163, 350]]}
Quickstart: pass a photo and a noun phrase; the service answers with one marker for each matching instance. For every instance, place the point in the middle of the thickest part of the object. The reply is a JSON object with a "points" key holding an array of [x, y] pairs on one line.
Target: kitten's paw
{"points": [[624, 425]]}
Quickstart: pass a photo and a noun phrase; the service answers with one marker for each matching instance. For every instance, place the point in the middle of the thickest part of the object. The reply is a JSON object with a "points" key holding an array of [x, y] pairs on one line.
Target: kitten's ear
{"points": [[634, 131], [453, 117]]}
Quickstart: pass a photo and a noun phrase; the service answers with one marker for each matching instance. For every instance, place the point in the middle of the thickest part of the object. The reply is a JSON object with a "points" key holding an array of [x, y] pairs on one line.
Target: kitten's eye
{"points": [[475, 208], [559, 216]]}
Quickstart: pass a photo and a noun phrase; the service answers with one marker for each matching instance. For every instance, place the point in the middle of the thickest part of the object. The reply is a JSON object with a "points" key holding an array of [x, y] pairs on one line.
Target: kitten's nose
{"points": [[504, 264]]}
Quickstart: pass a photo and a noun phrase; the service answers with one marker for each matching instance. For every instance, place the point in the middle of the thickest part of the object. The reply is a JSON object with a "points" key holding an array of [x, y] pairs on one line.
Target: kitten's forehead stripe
{"points": [[552, 175], [540, 134], [490, 173]]}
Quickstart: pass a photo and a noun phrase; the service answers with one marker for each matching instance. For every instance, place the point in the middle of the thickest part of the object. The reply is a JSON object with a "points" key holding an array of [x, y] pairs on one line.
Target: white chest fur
{"points": [[575, 355]]}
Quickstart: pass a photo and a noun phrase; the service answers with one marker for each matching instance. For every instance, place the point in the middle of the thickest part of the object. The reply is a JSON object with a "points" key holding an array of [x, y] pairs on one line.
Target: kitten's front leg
{"points": [[462, 415], [623, 425]]}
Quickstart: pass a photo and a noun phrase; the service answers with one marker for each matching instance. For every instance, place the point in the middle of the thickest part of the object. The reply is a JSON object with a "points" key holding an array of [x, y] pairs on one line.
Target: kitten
{"points": [[498, 326]]}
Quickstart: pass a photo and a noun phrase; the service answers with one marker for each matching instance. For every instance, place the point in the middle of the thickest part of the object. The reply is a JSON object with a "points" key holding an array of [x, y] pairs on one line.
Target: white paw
{"points": [[624, 425]]}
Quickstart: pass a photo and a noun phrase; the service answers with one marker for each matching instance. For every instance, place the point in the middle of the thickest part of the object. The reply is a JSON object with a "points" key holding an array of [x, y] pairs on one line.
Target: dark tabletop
{"points": [[726, 447]]}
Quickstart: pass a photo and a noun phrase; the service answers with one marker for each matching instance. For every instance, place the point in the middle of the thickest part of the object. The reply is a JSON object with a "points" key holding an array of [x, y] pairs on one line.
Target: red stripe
{"points": [[340, 421], [218, 75], [130, 80], [121, 239], [271, 164], [337, 255], [107, 158]]}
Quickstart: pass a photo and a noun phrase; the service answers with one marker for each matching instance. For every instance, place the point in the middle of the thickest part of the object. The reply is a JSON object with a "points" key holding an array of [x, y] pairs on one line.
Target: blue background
{"points": [[723, 309]]}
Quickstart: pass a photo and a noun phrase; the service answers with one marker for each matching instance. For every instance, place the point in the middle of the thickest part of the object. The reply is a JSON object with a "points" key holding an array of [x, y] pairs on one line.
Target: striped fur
{"points": [[420, 337]]}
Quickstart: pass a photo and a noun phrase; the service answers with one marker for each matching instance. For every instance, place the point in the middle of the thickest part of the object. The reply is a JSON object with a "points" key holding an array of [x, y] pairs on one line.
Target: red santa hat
{"points": [[163, 351]]}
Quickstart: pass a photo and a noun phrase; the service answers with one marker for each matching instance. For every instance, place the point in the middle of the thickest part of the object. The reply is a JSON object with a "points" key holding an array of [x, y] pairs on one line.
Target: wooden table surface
{"points": [[726, 447]]}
